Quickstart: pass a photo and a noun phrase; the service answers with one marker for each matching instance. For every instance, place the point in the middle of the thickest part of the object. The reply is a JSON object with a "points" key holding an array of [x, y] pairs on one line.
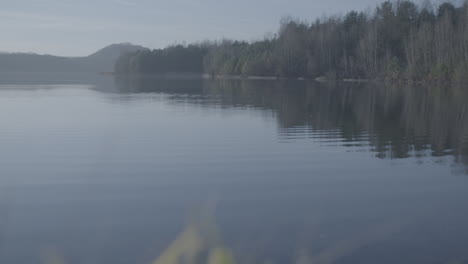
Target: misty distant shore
{"points": [[101, 61]]}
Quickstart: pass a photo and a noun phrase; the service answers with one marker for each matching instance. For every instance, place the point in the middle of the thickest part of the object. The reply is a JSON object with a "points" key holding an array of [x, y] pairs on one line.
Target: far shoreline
{"points": [[321, 79], [235, 77]]}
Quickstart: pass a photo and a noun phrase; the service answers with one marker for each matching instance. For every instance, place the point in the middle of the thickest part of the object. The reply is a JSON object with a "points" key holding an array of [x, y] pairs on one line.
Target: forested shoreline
{"points": [[399, 40]]}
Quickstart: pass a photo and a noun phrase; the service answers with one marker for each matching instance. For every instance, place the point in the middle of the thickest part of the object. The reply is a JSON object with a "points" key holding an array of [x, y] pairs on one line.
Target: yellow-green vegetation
{"points": [[220, 256], [198, 243]]}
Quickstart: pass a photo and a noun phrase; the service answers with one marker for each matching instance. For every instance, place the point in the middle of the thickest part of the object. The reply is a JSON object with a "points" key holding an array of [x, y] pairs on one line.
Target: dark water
{"points": [[109, 171]]}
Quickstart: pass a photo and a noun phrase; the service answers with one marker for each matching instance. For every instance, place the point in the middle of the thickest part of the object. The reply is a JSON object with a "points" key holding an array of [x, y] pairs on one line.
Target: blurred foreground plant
{"points": [[199, 243]]}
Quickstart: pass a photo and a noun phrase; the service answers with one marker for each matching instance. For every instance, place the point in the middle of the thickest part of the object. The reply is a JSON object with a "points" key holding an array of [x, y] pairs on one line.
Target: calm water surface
{"points": [[110, 171]]}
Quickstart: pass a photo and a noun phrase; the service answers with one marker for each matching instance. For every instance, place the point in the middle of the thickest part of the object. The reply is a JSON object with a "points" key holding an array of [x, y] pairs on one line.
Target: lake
{"points": [[97, 169]]}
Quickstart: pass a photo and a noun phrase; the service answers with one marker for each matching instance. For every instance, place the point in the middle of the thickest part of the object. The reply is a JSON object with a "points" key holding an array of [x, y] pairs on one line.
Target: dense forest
{"points": [[398, 40]]}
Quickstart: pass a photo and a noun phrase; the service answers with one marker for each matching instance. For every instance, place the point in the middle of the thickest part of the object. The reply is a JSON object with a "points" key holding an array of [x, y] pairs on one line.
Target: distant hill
{"points": [[100, 61]]}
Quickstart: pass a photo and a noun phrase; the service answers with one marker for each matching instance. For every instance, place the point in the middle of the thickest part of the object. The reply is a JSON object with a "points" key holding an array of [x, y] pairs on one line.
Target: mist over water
{"points": [[106, 170]]}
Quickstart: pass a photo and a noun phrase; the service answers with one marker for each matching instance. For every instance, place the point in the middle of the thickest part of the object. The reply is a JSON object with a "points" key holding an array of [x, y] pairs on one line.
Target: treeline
{"points": [[398, 40], [179, 58]]}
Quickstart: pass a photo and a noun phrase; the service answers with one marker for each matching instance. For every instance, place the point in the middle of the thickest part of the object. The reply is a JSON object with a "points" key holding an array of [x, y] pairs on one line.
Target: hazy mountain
{"points": [[100, 61]]}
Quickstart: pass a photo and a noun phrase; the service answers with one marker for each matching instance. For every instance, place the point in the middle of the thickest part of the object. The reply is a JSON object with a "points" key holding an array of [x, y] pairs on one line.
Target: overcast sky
{"points": [[80, 27]]}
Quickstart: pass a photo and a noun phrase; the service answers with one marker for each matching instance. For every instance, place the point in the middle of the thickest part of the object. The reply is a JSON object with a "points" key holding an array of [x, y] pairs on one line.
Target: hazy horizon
{"points": [[234, 131], [79, 28]]}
